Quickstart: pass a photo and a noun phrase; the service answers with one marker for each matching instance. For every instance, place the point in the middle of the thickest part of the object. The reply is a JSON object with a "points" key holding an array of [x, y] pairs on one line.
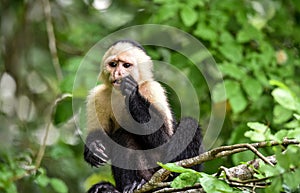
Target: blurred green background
{"points": [[251, 41]]}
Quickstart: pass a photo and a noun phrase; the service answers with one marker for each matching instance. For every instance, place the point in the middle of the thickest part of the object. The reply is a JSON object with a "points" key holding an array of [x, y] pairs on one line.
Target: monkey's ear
{"points": [[128, 86]]}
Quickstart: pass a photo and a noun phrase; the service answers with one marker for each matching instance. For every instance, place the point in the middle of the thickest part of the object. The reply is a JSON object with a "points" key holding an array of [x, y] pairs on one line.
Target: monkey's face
{"points": [[121, 65], [124, 59]]}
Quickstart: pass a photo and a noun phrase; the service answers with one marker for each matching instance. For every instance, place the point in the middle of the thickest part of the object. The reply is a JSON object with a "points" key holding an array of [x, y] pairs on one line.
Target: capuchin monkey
{"points": [[131, 109]]}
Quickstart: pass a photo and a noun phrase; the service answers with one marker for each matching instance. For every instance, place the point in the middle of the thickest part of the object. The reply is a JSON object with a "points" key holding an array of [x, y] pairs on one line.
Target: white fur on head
{"points": [[141, 59]]}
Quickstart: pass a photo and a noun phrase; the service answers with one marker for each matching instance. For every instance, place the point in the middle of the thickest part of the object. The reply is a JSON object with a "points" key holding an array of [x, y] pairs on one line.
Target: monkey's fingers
{"points": [[128, 86], [95, 154]]}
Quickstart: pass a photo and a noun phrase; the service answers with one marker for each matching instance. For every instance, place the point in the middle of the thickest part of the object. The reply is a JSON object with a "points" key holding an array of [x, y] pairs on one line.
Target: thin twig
{"points": [[42, 149], [51, 39], [261, 156]]}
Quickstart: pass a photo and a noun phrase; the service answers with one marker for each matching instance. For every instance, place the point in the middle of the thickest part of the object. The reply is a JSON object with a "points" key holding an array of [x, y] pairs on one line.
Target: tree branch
{"points": [[241, 172]]}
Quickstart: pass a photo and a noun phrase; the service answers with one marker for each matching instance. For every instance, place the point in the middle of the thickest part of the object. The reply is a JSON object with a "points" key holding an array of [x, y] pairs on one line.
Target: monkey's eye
{"points": [[112, 64], [126, 65]]}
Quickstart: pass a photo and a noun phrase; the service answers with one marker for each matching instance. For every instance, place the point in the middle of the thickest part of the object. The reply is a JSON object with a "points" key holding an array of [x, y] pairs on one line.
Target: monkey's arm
{"points": [[144, 113], [137, 104]]}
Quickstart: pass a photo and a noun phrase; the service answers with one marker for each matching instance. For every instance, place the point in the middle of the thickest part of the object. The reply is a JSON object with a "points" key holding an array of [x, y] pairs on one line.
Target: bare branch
{"points": [[51, 39]]}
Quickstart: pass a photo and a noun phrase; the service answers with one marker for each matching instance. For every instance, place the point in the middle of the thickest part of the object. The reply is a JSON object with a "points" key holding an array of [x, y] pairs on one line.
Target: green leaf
{"points": [[233, 71], [231, 87], [59, 185], [175, 168], [11, 188], [260, 132], [295, 133], [279, 84], [205, 32], [211, 184], [185, 179], [232, 52], [63, 110], [226, 37], [256, 126], [284, 98], [291, 180], [292, 124], [238, 102], [42, 180], [248, 33], [297, 116], [235, 96], [280, 135], [260, 75], [188, 15], [276, 186], [290, 158], [255, 136], [252, 87], [281, 114], [166, 12]]}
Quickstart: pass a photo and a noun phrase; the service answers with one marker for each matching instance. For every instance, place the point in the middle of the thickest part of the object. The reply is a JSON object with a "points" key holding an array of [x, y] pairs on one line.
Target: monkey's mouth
{"points": [[116, 83]]}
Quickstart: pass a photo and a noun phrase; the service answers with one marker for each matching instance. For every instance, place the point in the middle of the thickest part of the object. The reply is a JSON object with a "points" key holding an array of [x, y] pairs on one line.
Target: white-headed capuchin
{"points": [[131, 109]]}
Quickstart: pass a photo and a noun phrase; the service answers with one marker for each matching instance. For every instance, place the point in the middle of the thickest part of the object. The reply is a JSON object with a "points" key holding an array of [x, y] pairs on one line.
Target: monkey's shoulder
{"points": [[99, 110], [152, 91]]}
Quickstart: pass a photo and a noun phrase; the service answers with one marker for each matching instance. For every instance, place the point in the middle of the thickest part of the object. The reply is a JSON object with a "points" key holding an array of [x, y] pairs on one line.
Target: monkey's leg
{"points": [[126, 179], [193, 145]]}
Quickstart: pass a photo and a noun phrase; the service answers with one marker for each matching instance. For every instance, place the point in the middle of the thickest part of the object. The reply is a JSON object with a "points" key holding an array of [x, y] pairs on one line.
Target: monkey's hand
{"points": [[128, 86], [94, 151], [138, 106]]}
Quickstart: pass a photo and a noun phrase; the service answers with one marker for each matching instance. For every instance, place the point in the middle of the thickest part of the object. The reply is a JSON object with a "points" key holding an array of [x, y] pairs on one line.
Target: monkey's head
{"points": [[125, 58]]}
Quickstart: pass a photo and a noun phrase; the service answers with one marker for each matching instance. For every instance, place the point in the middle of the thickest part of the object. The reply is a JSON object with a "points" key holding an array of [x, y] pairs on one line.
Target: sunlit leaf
{"points": [[58, 185], [188, 16], [290, 180], [233, 71], [297, 116], [211, 184], [295, 133], [248, 33], [232, 51], [281, 114], [175, 168], [238, 102], [257, 127], [276, 185], [185, 179], [231, 87], [205, 32], [42, 180], [259, 132], [284, 98], [252, 87]]}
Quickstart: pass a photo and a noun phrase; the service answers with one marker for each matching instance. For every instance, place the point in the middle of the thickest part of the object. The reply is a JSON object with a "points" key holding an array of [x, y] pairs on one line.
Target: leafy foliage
{"points": [[256, 47]]}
